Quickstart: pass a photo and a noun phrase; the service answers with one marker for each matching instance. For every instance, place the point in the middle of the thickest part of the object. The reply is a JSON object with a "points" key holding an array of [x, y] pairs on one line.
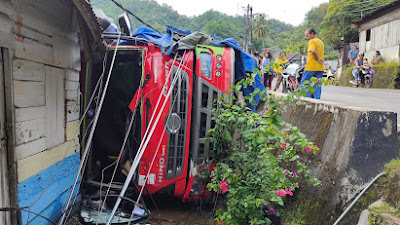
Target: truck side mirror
{"points": [[125, 24]]}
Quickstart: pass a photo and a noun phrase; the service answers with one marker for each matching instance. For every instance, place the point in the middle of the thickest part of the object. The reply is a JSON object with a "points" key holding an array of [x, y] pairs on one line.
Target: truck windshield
{"points": [[115, 115]]}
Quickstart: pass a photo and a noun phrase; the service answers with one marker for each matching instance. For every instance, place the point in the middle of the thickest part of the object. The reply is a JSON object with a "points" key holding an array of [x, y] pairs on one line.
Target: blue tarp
{"points": [[168, 42]]}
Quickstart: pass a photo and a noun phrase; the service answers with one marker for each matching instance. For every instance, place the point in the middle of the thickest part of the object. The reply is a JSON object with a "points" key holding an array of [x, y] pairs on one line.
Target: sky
{"points": [[288, 11]]}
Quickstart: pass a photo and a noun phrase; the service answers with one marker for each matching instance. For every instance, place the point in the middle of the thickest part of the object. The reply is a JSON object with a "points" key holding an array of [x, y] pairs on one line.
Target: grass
{"points": [[387, 75]]}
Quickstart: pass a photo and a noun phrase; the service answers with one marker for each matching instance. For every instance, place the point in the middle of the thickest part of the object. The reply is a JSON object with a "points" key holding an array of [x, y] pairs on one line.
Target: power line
{"points": [[7, 209], [126, 10]]}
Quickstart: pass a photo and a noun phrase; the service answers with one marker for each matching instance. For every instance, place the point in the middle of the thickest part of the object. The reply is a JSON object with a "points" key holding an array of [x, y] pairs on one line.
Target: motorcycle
{"points": [[368, 75], [291, 77]]}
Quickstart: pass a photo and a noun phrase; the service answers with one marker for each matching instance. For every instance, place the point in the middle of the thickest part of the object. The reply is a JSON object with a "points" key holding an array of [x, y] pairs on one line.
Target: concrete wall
{"points": [[355, 144], [42, 63]]}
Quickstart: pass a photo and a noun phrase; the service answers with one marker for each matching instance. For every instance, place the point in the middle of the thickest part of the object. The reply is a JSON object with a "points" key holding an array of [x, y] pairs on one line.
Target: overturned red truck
{"points": [[178, 149]]}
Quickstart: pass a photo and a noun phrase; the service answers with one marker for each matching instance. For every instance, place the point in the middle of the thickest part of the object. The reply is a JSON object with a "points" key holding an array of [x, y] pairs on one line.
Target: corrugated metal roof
{"points": [[88, 16]]}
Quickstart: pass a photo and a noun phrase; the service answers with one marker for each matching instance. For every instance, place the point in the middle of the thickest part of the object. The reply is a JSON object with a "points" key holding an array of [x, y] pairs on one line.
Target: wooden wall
{"points": [[43, 83], [385, 37]]}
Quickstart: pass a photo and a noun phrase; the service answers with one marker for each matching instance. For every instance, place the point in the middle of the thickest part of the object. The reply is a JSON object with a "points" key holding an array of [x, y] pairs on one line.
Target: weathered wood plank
{"points": [[54, 197], [28, 93], [72, 129], [24, 31], [28, 149], [29, 130], [72, 111], [4, 170], [66, 53], [55, 101], [34, 51], [6, 34], [50, 17], [71, 85], [30, 113], [39, 162], [72, 95], [27, 70], [56, 194], [72, 75]]}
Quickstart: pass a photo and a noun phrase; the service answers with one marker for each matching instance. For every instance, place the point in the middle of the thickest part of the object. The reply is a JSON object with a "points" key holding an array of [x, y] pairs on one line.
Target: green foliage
{"points": [[387, 75], [296, 41], [222, 30], [210, 22], [258, 154], [331, 31]]}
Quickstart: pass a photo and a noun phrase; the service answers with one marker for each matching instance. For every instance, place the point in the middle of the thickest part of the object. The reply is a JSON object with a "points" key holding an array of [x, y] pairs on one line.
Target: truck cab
{"points": [[178, 148]]}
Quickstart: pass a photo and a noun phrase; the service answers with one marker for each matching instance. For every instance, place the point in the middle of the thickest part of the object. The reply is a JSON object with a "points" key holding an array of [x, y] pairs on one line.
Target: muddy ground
{"points": [[170, 211]]}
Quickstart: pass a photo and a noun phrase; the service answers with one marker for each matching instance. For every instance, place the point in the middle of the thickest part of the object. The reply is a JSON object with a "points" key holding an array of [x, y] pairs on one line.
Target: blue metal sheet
{"points": [[55, 196]]}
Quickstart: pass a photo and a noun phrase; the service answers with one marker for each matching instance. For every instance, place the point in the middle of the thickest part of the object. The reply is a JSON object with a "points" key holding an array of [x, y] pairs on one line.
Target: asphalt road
{"points": [[381, 99]]}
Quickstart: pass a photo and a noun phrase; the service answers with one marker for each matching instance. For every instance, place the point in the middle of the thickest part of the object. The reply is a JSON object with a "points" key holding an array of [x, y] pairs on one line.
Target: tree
{"points": [[221, 29], [260, 29], [352, 10]]}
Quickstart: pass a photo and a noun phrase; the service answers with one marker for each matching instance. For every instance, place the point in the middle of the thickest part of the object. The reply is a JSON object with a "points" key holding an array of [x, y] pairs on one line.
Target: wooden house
{"points": [[40, 64], [380, 31]]}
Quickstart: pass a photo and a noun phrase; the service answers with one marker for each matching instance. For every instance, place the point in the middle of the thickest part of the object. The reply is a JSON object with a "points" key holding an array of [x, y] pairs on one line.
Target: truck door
{"points": [[214, 76]]}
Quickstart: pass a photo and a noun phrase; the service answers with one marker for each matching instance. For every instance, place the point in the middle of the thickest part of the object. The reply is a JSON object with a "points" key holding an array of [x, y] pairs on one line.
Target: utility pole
{"points": [[342, 24], [246, 37], [251, 25]]}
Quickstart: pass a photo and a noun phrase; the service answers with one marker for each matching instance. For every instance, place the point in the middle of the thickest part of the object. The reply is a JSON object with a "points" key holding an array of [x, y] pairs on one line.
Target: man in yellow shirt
{"points": [[315, 62]]}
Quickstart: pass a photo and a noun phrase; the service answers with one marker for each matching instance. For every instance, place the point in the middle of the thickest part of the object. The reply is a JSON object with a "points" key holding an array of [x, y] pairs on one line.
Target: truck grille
{"points": [[177, 142]]}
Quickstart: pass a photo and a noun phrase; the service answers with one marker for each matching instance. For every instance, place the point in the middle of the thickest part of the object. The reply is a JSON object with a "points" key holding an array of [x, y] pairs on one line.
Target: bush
{"points": [[387, 75], [258, 158]]}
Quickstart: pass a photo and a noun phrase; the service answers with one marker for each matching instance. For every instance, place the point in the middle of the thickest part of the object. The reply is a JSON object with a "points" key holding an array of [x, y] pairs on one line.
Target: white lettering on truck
{"points": [[161, 163]]}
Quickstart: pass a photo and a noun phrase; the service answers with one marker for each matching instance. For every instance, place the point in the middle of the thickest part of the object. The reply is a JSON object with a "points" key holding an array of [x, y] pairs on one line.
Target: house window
{"points": [[368, 35]]}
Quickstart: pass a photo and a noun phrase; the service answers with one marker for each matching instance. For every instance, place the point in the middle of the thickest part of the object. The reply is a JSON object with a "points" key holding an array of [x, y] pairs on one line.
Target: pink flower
{"points": [[224, 183], [284, 144], [295, 174], [289, 192], [286, 170], [308, 149], [223, 186], [318, 80], [286, 133], [272, 210], [224, 190], [281, 148], [281, 193]]}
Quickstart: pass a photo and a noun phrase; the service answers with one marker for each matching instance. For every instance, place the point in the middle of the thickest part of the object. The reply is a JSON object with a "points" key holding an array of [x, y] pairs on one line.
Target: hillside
{"points": [[210, 22]]}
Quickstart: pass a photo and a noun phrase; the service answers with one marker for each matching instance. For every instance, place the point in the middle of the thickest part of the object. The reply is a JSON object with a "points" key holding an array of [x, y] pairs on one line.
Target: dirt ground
{"points": [[174, 212]]}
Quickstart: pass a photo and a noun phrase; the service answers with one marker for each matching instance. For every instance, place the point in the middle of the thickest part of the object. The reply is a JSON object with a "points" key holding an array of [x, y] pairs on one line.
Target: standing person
{"points": [[315, 62], [281, 60], [353, 54], [267, 70], [304, 61]]}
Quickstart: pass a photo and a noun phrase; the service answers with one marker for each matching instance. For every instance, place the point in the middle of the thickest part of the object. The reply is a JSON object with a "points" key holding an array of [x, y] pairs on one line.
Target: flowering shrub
{"points": [[257, 157]]}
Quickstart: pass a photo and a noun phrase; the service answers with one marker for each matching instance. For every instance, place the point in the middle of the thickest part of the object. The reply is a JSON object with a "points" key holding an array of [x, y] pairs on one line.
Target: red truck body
{"points": [[205, 73]]}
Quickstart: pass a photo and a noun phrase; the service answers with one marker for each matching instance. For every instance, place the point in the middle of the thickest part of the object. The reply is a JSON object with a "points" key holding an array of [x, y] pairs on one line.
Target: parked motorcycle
{"points": [[368, 75], [291, 75]]}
